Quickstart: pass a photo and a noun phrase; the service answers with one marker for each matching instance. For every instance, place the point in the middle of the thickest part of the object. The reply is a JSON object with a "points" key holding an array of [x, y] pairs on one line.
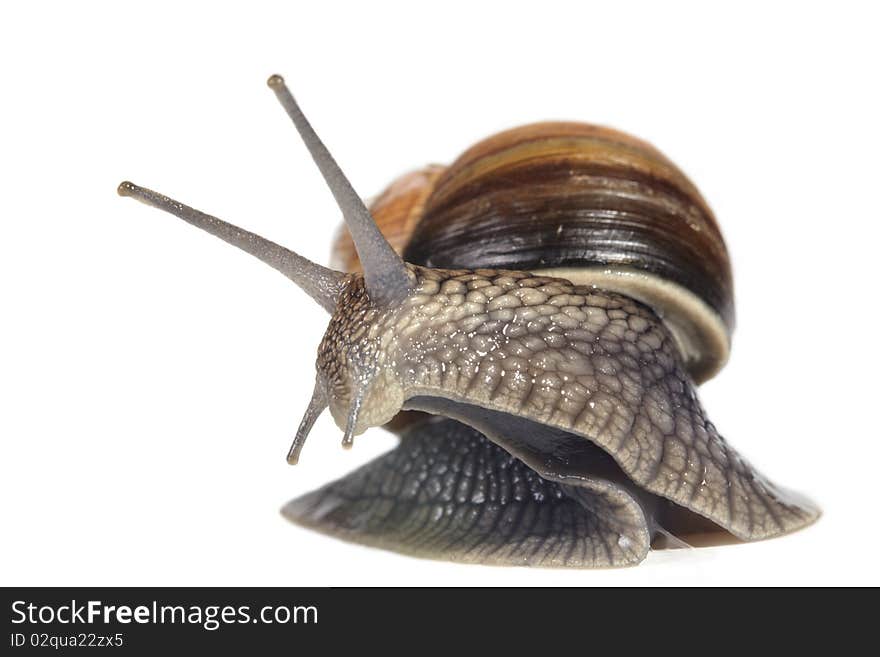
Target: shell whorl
{"points": [[577, 201]]}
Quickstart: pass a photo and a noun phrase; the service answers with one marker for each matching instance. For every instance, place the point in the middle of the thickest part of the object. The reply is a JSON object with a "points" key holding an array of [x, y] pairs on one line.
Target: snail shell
{"points": [[582, 202], [564, 287]]}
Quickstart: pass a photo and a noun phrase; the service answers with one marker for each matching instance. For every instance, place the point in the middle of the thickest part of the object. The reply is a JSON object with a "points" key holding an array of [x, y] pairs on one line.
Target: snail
{"points": [[532, 321]]}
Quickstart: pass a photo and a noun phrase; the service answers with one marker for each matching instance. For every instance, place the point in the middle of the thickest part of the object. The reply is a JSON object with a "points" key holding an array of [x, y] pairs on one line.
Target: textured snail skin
{"points": [[548, 371]]}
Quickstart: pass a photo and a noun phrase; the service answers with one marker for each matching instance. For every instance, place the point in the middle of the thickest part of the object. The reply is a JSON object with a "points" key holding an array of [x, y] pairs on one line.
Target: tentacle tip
{"points": [[275, 81], [126, 188], [347, 442], [293, 454]]}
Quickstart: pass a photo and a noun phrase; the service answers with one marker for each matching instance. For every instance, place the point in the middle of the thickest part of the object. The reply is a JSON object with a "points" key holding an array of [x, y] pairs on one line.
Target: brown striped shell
{"points": [[582, 202]]}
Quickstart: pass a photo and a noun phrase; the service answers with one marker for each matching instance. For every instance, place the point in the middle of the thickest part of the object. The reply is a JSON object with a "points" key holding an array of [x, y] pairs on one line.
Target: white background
{"points": [[152, 376]]}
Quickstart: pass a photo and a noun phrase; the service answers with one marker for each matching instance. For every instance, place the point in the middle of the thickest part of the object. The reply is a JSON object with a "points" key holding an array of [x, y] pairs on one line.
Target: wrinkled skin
{"points": [[548, 371]]}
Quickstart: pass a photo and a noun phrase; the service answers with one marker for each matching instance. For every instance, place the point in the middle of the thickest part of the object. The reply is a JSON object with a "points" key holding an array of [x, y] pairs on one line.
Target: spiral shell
{"points": [[582, 202]]}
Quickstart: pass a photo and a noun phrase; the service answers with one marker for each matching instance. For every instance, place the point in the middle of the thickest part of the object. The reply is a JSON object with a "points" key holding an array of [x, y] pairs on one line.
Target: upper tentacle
{"points": [[387, 277]]}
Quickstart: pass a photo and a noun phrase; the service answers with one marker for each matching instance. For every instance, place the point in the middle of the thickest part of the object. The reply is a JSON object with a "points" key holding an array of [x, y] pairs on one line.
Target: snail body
{"points": [[532, 321]]}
